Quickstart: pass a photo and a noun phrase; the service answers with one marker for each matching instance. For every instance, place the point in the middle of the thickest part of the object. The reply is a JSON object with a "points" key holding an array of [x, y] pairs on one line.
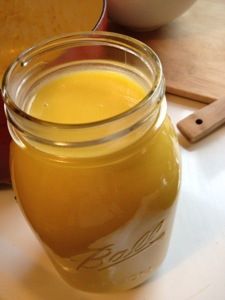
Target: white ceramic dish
{"points": [[143, 15]]}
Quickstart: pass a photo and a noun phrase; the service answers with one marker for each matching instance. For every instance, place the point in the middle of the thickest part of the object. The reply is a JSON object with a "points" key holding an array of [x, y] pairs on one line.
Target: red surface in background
{"points": [[4, 146]]}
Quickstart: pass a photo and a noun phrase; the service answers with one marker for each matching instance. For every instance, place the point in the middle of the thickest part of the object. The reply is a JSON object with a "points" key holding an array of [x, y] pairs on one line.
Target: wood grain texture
{"points": [[202, 122], [192, 51]]}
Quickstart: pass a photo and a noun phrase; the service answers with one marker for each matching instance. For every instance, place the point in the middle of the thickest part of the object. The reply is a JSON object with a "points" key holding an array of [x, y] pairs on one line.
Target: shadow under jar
{"points": [[100, 195]]}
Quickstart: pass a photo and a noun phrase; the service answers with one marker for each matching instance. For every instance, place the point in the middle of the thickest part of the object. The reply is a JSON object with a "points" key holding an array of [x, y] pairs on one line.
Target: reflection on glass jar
{"points": [[94, 157]]}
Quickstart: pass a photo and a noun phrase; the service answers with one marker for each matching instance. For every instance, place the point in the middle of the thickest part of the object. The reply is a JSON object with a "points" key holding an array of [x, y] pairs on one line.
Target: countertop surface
{"points": [[195, 265]]}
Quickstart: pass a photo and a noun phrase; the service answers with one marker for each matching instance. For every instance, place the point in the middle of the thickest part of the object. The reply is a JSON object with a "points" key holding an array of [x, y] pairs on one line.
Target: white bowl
{"points": [[143, 15]]}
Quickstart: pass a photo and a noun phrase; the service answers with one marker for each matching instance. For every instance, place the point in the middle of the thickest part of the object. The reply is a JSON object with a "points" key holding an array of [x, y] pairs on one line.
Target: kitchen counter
{"points": [[195, 265]]}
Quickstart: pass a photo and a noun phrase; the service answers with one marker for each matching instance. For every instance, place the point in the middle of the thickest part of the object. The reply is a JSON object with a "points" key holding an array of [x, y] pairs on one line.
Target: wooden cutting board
{"points": [[192, 51]]}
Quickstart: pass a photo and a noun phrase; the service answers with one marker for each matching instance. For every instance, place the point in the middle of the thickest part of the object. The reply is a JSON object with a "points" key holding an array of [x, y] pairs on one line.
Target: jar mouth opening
{"points": [[138, 47]]}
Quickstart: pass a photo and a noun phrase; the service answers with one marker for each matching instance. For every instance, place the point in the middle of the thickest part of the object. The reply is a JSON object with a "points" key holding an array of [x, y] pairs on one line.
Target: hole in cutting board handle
{"points": [[199, 121]]}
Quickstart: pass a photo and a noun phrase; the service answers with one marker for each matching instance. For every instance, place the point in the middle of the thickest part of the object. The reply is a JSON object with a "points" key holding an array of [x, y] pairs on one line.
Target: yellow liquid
{"points": [[105, 221], [86, 96], [39, 20]]}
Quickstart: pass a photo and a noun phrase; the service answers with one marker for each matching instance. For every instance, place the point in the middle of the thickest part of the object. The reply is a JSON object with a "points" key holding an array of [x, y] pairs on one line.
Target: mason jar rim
{"points": [[91, 36]]}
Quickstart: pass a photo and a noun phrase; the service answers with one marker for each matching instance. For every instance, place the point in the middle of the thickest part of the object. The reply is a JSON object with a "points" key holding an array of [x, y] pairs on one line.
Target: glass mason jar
{"points": [[100, 196]]}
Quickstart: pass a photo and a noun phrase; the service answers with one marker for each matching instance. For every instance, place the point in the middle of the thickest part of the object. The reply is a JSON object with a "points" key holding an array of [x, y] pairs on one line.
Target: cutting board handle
{"points": [[202, 122]]}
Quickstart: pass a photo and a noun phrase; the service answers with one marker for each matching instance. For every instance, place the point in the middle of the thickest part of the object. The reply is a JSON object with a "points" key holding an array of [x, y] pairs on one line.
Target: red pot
{"points": [[100, 24]]}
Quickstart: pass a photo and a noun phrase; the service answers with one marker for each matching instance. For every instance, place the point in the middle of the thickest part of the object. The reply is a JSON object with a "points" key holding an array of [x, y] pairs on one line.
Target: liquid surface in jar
{"points": [[86, 96]]}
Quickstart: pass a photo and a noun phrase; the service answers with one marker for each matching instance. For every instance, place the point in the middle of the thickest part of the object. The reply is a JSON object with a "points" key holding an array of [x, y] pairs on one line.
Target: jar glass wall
{"points": [[100, 195]]}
